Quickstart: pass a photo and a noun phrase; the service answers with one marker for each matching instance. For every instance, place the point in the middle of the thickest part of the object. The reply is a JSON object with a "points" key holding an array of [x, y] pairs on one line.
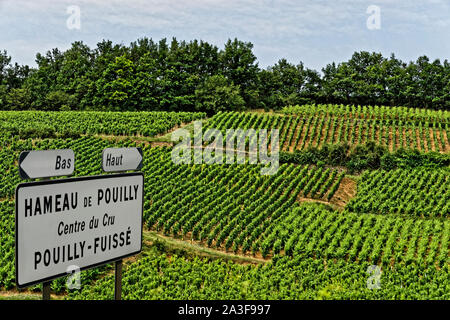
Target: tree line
{"points": [[198, 76]]}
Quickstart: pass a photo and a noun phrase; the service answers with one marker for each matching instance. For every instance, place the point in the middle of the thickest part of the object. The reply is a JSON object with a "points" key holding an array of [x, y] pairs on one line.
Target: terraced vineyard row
{"points": [[236, 209], [47, 124], [419, 192], [371, 112], [226, 205], [160, 277], [320, 233], [299, 132]]}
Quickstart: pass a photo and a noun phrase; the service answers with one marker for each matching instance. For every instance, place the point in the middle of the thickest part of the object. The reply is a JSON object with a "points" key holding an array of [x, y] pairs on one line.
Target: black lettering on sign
{"points": [[62, 163], [60, 254], [117, 194], [50, 204], [112, 241], [114, 161]]}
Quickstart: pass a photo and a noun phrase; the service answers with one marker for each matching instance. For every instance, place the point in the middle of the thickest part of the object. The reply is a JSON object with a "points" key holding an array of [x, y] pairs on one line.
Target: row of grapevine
{"points": [[314, 130], [158, 276], [371, 112], [225, 205], [52, 124], [418, 192], [318, 232]]}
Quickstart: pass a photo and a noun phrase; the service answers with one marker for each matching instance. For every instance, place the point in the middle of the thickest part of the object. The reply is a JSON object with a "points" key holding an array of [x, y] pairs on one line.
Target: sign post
{"points": [[76, 223], [116, 160], [46, 290], [46, 163], [118, 280], [83, 222], [122, 159]]}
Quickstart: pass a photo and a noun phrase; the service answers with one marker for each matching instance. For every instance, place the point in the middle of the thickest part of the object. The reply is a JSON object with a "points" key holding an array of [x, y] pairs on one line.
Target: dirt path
{"points": [[310, 200], [433, 146], [446, 141], [345, 192], [303, 136], [201, 249], [15, 294], [417, 137], [391, 140]]}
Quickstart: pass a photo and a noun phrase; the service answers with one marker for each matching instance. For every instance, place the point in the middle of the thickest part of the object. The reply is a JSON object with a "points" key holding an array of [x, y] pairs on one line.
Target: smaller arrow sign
{"points": [[46, 163], [122, 159]]}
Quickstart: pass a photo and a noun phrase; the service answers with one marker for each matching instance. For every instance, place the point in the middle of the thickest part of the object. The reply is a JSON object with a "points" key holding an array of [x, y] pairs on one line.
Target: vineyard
{"points": [[227, 206], [421, 193], [310, 231], [161, 277], [41, 124], [303, 128]]}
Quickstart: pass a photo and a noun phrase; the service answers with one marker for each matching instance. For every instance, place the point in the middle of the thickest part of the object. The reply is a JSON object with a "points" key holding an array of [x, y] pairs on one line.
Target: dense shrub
{"points": [[368, 156]]}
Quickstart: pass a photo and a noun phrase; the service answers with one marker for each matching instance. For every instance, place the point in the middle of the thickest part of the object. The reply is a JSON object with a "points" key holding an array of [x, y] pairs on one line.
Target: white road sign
{"points": [[46, 163], [74, 223], [122, 159]]}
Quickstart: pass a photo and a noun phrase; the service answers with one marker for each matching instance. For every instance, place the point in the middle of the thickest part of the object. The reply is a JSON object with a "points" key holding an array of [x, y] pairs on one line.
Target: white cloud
{"points": [[317, 31]]}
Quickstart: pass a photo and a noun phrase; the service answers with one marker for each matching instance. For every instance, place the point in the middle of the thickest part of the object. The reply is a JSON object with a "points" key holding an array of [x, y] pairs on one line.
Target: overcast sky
{"points": [[316, 32]]}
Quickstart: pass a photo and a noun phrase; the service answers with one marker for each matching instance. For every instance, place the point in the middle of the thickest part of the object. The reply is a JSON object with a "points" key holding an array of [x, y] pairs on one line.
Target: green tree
{"points": [[18, 99], [238, 64], [149, 75], [288, 84], [11, 77], [115, 87], [5, 60], [217, 94], [59, 100]]}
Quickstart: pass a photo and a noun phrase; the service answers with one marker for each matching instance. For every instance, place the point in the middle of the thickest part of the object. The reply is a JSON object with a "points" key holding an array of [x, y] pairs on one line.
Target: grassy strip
{"points": [[190, 250]]}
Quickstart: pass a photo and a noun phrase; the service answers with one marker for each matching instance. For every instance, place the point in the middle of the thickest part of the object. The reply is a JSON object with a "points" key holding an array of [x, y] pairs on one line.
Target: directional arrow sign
{"points": [[122, 159], [76, 223], [46, 163]]}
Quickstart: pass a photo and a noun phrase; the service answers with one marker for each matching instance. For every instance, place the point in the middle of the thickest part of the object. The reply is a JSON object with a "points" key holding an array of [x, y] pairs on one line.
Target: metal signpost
{"points": [[46, 163], [116, 160], [122, 159], [75, 222]]}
